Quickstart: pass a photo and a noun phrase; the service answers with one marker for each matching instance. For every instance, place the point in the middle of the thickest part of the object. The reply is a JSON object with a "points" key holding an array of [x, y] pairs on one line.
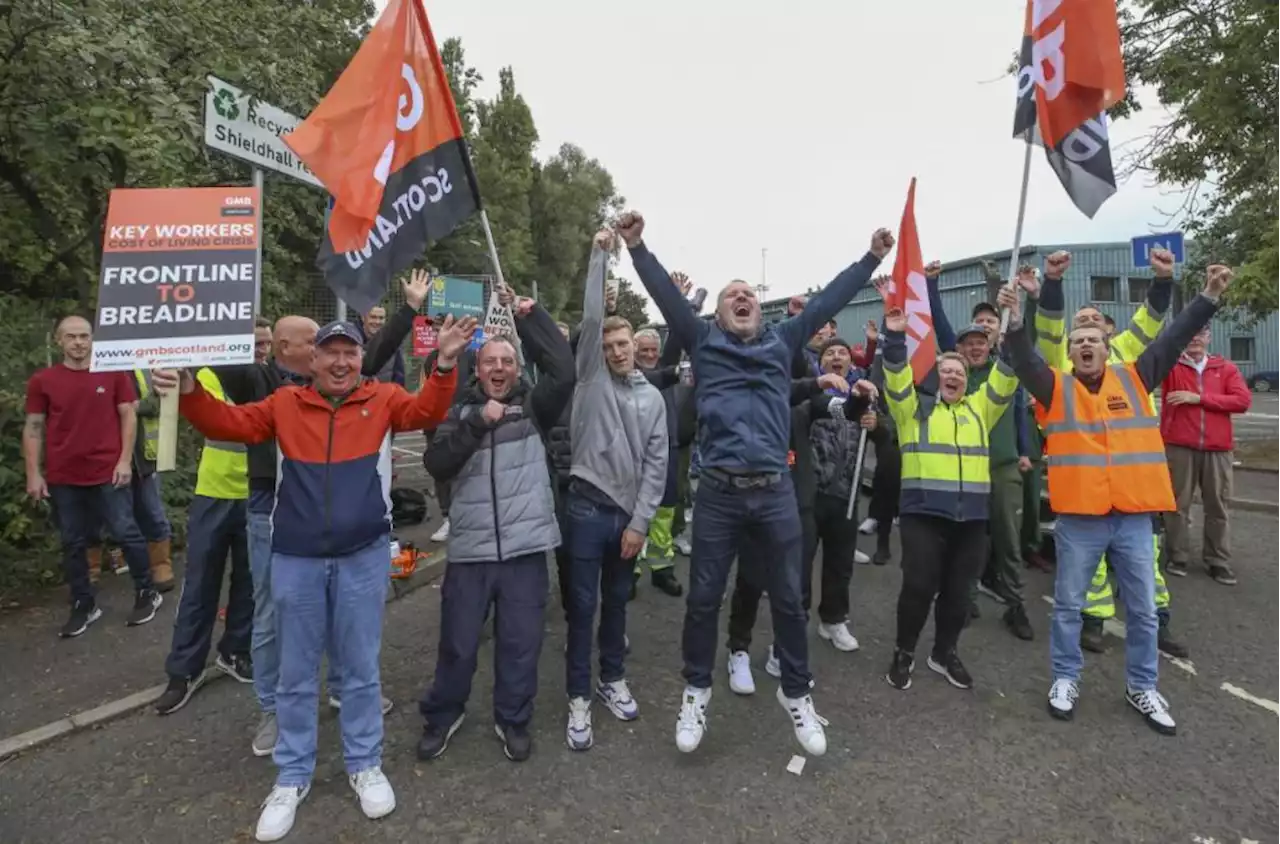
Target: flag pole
{"points": [[493, 249], [1017, 230]]}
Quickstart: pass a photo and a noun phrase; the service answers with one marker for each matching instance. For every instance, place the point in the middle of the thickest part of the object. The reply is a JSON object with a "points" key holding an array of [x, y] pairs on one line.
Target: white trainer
{"points": [[860, 558], [683, 546], [616, 696], [807, 722], [377, 799], [278, 812], [741, 681], [839, 636], [1063, 695], [577, 730], [868, 526], [442, 532], [692, 723], [1154, 708], [772, 666]]}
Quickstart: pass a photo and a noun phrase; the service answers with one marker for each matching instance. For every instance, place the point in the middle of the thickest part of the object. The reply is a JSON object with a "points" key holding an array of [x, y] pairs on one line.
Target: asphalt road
{"points": [[933, 764]]}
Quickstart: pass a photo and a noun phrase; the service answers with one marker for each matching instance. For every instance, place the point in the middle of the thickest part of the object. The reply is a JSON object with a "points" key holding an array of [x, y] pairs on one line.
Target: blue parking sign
{"points": [[1142, 247]]}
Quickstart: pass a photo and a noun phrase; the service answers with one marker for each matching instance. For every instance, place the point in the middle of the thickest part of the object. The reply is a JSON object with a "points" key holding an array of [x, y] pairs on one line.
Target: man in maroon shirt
{"points": [[85, 425]]}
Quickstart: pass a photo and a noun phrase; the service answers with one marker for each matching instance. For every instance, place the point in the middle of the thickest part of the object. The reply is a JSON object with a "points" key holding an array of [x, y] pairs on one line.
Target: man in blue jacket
{"points": [[742, 391]]}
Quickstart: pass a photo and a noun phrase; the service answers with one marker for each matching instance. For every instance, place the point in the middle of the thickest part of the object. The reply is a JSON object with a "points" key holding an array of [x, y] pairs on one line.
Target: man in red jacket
{"points": [[1200, 394]]}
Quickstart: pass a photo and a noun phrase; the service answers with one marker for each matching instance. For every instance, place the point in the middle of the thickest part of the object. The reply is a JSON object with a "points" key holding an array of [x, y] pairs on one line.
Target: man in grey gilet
{"points": [[502, 524], [618, 438]]}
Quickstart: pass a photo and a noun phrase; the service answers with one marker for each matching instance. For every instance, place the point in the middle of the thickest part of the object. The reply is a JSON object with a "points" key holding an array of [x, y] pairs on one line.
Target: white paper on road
{"points": [[796, 765]]}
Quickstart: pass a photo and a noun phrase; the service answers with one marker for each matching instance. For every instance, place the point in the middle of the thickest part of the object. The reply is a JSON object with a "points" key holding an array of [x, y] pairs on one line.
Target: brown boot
{"points": [[95, 562], [161, 566]]}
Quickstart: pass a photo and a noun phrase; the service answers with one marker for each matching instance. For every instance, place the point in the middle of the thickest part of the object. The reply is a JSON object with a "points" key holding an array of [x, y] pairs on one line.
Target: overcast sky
{"points": [[794, 126]]}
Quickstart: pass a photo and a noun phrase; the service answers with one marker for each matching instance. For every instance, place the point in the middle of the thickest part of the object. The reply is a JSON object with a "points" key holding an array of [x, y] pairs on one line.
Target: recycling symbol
{"points": [[224, 103]]}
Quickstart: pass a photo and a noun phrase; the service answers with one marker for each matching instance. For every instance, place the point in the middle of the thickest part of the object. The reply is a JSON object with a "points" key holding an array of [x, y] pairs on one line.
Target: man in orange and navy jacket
{"points": [[330, 543]]}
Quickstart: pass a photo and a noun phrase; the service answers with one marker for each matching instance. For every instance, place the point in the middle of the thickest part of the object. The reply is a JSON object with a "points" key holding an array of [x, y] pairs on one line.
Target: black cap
{"points": [[982, 307], [339, 328], [972, 329]]}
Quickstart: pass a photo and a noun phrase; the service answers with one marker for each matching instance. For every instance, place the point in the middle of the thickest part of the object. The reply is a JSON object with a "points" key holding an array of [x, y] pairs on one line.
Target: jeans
{"points": [[148, 508], [596, 568], [216, 527], [940, 558], [1127, 540], [562, 550], [749, 584], [766, 517], [79, 512], [517, 590], [265, 648], [332, 605]]}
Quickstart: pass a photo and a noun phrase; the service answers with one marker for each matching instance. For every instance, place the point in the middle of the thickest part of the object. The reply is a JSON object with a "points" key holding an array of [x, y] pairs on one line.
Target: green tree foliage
{"points": [[1212, 63]]}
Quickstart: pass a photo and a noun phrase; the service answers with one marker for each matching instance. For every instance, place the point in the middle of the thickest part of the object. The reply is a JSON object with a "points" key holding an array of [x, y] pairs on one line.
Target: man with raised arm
{"points": [[1107, 477], [742, 391]]}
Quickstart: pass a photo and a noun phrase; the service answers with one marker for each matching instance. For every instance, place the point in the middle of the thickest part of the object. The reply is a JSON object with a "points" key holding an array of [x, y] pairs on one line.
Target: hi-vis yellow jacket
{"points": [[224, 466], [1051, 337], [945, 459]]}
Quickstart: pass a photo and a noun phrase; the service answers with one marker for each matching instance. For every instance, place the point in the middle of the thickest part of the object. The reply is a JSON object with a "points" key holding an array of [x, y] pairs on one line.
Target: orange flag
{"points": [[387, 143], [910, 292], [1076, 63]]}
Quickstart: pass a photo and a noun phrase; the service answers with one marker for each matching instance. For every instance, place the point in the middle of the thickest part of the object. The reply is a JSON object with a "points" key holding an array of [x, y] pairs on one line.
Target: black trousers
{"points": [[749, 583], [939, 558], [886, 482], [839, 538]]}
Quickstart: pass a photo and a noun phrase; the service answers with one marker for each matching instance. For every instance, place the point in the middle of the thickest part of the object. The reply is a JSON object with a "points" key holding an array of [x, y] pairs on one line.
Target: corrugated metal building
{"points": [[1100, 273]]}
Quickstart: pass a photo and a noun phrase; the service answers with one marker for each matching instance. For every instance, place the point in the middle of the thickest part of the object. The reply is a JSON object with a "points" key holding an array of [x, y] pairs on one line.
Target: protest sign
{"points": [[179, 278], [499, 320], [457, 297], [425, 339]]}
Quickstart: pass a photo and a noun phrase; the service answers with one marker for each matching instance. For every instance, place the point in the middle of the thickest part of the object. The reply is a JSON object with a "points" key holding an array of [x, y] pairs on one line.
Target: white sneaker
{"points": [[683, 546], [377, 800], [868, 526], [807, 722], [860, 558], [741, 682], [772, 666], [442, 533], [577, 731], [839, 636], [1154, 708], [617, 698], [278, 812], [692, 723], [1063, 695]]}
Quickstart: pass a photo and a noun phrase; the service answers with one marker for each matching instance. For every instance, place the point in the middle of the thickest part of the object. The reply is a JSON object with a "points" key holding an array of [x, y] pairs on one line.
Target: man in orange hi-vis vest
{"points": [[1107, 479]]}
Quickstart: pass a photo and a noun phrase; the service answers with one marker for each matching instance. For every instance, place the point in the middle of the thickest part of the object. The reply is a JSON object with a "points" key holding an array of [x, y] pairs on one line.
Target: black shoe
{"points": [[950, 666], [1091, 635], [1169, 645], [1015, 618], [1223, 574], [1175, 568], [665, 580], [144, 607], [883, 554], [435, 740], [238, 667], [176, 695], [900, 669], [517, 744], [83, 613]]}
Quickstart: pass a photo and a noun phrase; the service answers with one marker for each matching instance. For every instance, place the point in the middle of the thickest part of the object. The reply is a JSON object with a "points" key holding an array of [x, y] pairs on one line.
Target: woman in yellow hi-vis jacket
{"points": [[1051, 342], [946, 488]]}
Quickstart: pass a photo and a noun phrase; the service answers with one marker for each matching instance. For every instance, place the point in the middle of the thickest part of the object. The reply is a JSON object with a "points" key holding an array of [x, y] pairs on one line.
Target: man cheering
{"points": [[742, 390], [619, 472]]}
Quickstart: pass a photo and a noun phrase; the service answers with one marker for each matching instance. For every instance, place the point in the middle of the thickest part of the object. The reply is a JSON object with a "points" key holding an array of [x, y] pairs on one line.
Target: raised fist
{"points": [[881, 242], [505, 294], [1217, 280], [603, 240], [933, 269], [1007, 298], [883, 284], [523, 307], [795, 305], [1162, 263], [1055, 266], [630, 227], [1029, 280], [895, 320]]}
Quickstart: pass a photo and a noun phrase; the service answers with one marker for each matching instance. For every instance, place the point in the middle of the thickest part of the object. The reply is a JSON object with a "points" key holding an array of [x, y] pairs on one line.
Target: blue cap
{"points": [[972, 329], [339, 328]]}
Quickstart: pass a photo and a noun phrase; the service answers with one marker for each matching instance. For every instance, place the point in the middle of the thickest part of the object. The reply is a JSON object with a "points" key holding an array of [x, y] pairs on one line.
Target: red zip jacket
{"points": [[1205, 426], [333, 487]]}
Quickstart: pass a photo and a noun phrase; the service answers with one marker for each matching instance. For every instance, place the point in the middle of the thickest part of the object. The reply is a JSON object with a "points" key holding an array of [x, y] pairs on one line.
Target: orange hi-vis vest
{"points": [[1104, 450]]}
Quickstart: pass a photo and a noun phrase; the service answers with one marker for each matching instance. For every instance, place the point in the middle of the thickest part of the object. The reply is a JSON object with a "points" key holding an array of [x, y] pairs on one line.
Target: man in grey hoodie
{"points": [[619, 470]]}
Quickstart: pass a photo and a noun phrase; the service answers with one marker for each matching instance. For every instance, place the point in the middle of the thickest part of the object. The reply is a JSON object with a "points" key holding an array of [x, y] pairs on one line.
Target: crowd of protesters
{"points": [[737, 440]]}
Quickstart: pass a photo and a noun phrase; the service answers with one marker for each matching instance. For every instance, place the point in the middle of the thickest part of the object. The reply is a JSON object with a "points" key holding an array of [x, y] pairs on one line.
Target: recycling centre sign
{"points": [[239, 125]]}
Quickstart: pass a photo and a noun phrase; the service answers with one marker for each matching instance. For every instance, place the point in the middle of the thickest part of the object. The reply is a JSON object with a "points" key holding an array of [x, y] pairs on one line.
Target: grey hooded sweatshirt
{"points": [[618, 432]]}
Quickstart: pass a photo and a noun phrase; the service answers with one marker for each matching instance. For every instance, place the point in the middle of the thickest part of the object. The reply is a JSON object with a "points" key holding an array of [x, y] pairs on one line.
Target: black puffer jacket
{"points": [[835, 448]]}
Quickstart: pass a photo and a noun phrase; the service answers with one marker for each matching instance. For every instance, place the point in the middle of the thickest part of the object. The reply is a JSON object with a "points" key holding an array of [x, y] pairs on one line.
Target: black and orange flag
{"points": [[387, 143], [1070, 71]]}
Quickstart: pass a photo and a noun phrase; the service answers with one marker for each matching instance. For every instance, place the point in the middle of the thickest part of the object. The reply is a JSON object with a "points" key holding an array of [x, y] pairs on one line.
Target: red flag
{"points": [[1076, 63], [910, 292], [387, 143]]}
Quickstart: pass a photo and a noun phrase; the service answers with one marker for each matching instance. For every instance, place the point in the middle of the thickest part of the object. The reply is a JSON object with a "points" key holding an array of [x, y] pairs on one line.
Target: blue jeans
{"points": [[266, 651], [80, 512], [148, 507], [596, 568], [1126, 539], [330, 605], [769, 520]]}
